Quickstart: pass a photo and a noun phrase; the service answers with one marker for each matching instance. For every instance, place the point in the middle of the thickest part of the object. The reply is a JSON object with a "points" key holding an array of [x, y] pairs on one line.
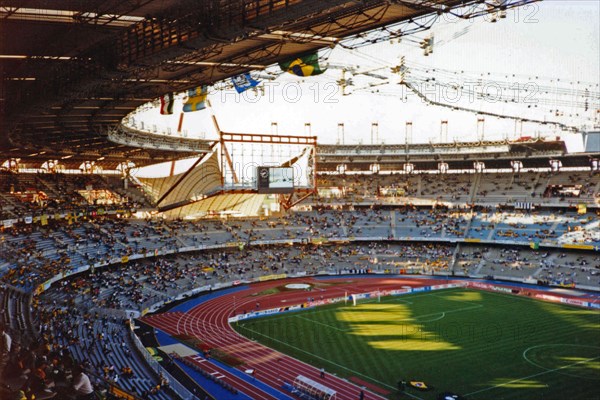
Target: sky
{"points": [[545, 55]]}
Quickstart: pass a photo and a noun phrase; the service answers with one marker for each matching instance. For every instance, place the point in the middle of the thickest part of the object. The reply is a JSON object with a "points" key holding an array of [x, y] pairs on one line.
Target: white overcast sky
{"points": [[542, 43]]}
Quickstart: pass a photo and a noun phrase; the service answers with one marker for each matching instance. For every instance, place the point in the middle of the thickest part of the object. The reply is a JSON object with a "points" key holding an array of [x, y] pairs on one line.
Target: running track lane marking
{"points": [[323, 359], [185, 321], [223, 322], [532, 376]]}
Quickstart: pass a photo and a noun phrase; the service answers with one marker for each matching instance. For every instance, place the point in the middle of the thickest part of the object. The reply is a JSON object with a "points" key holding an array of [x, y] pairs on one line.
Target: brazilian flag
{"points": [[305, 65], [419, 385], [534, 245]]}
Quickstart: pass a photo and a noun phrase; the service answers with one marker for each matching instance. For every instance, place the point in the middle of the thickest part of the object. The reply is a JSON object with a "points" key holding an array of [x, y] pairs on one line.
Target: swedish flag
{"points": [[305, 65], [196, 99]]}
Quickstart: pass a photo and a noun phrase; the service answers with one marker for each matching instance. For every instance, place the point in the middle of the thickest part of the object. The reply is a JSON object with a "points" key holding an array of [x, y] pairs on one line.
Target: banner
{"points": [[319, 240], [120, 393], [196, 99], [243, 82], [305, 65], [167, 102], [271, 277]]}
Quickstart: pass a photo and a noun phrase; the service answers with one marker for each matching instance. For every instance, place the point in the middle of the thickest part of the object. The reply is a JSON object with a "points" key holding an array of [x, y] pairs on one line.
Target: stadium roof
{"points": [[533, 153], [72, 70]]}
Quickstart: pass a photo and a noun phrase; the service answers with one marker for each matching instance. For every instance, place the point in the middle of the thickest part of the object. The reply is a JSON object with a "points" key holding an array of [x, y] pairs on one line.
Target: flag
{"points": [[581, 208], [420, 385], [166, 104], [534, 245], [243, 82], [306, 65], [196, 99]]}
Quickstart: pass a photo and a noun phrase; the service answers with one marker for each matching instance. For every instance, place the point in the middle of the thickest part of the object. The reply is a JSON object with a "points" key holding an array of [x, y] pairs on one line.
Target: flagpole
{"points": [[180, 122], [172, 172]]}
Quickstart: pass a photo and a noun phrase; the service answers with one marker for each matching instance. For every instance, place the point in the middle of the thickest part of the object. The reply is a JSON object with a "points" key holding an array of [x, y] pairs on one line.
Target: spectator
{"points": [[5, 346], [82, 386]]}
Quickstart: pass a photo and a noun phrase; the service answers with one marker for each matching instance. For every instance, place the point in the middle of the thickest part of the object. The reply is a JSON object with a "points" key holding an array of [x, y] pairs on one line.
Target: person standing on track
{"points": [[5, 346], [323, 373], [362, 395]]}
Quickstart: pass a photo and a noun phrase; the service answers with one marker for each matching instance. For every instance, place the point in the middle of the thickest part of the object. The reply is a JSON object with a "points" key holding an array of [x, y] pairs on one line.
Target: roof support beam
{"points": [[181, 178]]}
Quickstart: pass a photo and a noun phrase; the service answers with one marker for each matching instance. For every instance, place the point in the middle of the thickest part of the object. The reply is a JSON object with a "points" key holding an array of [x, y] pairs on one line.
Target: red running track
{"points": [[208, 321], [229, 378]]}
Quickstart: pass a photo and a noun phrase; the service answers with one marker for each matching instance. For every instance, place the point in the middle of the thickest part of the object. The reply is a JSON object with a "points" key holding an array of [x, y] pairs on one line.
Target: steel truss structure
{"points": [[73, 75], [298, 146]]}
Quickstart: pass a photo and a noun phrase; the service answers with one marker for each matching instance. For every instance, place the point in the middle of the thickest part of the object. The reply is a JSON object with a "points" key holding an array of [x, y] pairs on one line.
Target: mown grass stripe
{"points": [[484, 345]]}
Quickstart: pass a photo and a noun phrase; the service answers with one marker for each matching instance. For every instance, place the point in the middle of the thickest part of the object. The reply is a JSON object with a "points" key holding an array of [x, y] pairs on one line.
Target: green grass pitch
{"points": [[478, 344]]}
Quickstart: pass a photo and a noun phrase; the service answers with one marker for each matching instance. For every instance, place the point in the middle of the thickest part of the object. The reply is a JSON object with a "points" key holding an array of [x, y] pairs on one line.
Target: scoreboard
{"points": [[275, 179]]}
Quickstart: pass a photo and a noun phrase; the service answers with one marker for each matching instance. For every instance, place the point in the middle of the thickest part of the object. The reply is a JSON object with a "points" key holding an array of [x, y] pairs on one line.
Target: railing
{"points": [[103, 384], [156, 367], [402, 150], [174, 384], [117, 260], [137, 138]]}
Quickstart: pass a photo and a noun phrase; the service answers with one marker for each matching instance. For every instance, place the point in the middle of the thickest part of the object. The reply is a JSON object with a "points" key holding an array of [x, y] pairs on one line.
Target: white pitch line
{"points": [[416, 317], [412, 395], [443, 314], [532, 376], [323, 359], [321, 323]]}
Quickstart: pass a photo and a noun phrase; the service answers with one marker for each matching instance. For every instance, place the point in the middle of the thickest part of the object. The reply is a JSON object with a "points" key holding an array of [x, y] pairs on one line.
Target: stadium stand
{"points": [[566, 188], [33, 253], [84, 249]]}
